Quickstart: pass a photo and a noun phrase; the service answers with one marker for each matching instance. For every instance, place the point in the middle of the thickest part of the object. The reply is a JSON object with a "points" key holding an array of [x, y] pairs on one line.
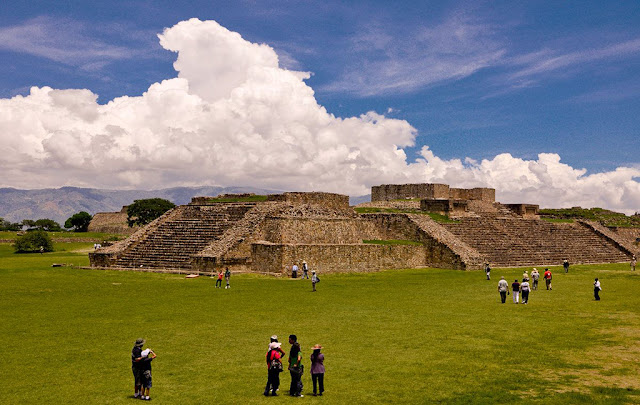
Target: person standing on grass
{"points": [[227, 276], [547, 278], [503, 289], [274, 368], [596, 289], [219, 280], [136, 357], [565, 264], [487, 270], [294, 271], [145, 376], [515, 287], [535, 276], [295, 367], [317, 369], [525, 288], [633, 263], [305, 270], [314, 280]]}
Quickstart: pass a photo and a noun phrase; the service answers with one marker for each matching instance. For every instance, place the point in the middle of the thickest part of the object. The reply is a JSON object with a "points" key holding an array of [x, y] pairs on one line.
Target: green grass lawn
{"points": [[398, 336]]}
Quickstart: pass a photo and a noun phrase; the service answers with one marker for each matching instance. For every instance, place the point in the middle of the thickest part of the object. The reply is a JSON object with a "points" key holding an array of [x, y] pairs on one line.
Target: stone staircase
{"points": [[514, 242], [173, 242]]}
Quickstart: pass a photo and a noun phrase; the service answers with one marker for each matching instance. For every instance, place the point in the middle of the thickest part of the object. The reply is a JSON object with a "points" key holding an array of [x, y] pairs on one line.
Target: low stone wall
{"points": [[479, 193], [524, 210], [275, 258], [387, 192], [445, 207], [328, 200], [312, 230]]}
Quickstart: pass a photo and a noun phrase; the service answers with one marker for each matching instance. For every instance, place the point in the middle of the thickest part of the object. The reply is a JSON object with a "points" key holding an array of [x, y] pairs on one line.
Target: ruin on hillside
{"points": [[404, 226]]}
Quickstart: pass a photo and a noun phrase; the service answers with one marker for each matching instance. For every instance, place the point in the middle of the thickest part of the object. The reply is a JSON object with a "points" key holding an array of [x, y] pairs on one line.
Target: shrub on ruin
{"points": [[141, 212], [79, 222], [32, 241]]}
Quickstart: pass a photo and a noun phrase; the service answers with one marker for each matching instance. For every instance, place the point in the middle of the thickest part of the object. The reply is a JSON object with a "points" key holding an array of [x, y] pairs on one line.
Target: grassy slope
{"points": [[412, 336]]}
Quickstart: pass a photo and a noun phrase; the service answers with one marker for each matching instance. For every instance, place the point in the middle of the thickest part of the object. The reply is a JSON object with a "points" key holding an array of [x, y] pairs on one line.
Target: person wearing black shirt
{"points": [[295, 389], [136, 357]]}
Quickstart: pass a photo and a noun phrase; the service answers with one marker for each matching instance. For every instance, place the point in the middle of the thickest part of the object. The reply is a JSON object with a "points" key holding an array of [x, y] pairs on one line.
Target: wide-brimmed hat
{"points": [[316, 347], [274, 337], [313, 271], [275, 345], [140, 342]]}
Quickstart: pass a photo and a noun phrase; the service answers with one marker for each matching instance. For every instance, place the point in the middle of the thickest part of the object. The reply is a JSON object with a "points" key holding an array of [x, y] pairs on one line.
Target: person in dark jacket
{"points": [[295, 360]]}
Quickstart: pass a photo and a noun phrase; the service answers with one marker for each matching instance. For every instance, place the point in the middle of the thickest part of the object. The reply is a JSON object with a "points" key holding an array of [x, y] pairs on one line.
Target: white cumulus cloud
{"points": [[233, 116]]}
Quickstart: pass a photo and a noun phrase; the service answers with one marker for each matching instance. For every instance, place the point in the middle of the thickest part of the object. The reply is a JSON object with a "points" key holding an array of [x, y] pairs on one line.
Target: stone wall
{"points": [[481, 194], [112, 222], [445, 207], [388, 192], [318, 230], [525, 210], [327, 200], [274, 258]]}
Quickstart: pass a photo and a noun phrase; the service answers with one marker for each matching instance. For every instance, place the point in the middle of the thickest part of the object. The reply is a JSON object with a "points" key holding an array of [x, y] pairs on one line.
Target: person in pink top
{"points": [[317, 370]]}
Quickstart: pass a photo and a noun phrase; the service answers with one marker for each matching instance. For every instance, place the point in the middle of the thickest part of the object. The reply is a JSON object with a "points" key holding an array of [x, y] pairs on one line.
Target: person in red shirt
{"points": [[274, 367], [219, 280], [547, 278]]}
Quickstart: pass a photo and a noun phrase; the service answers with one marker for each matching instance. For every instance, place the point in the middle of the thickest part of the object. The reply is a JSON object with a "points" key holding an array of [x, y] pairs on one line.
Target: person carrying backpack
{"points": [[274, 367], [314, 280]]}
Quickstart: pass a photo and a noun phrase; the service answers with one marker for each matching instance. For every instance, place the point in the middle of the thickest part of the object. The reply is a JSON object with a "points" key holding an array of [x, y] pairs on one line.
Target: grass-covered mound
{"points": [[605, 217], [401, 336]]}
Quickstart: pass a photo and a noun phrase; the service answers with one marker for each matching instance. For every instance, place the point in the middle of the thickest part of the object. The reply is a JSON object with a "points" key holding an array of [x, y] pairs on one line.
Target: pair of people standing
{"points": [[296, 369], [141, 368], [305, 270], [226, 275]]}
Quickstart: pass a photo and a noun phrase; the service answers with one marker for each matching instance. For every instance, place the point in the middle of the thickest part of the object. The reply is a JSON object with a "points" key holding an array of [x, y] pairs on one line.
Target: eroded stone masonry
{"points": [[394, 230]]}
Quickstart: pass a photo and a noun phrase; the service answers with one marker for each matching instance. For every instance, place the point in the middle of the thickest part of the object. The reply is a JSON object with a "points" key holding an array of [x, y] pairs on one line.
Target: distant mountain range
{"points": [[60, 203]]}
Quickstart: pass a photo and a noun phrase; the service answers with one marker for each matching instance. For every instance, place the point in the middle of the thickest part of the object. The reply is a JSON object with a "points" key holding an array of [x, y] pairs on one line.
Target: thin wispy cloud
{"points": [[61, 40], [383, 63]]}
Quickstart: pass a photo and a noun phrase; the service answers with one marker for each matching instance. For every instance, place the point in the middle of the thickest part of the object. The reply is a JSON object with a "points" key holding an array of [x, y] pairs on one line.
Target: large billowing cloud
{"points": [[234, 117]]}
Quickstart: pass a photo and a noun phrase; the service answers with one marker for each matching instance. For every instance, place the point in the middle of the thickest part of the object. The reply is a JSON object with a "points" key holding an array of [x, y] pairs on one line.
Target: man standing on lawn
{"points": [[547, 278], [503, 289], [295, 389], [136, 367]]}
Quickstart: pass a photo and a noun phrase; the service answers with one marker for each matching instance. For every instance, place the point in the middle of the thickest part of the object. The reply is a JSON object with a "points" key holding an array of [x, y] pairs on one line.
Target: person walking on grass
{"points": [[145, 376], [295, 367], [565, 264], [274, 368], [487, 270], [633, 263], [305, 270], [219, 280], [317, 370], [136, 357], [503, 289], [596, 289], [525, 276], [535, 276], [525, 289], [547, 278], [227, 276], [515, 287], [314, 280]]}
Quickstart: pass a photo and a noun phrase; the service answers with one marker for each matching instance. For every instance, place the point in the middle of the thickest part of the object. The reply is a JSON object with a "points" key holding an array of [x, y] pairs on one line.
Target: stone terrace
{"points": [[507, 242]]}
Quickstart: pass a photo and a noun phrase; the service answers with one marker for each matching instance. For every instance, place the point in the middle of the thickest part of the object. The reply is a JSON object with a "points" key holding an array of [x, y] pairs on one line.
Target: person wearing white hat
{"points": [[274, 368], [314, 280]]}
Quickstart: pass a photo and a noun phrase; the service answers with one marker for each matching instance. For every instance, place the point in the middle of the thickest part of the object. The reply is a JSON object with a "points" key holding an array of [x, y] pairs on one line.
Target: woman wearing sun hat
{"points": [[317, 369]]}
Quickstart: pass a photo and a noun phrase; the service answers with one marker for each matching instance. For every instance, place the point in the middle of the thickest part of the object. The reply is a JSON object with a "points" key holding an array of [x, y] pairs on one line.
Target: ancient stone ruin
{"points": [[396, 229]]}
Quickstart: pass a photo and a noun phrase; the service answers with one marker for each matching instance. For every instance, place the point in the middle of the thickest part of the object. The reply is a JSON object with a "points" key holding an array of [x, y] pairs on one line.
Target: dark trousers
{"points": [[218, 282], [535, 284], [273, 382], [503, 296], [525, 296], [596, 293], [318, 379], [305, 274], [294, 388]]}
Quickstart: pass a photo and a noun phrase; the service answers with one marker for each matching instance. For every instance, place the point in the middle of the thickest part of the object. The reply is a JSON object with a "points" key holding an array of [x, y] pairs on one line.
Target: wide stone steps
{"points": [[528, 242], [173, 243]]}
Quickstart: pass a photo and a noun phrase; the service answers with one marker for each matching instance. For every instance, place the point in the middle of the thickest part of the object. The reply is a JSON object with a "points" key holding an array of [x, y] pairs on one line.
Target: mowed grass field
{"points": [[397, 336]]}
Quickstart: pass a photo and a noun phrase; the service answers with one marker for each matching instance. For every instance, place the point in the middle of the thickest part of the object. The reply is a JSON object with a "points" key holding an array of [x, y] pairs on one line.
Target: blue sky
{"points": [[475, 79]]}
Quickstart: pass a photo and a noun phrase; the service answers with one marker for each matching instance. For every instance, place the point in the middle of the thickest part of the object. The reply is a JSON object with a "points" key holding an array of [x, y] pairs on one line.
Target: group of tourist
{"points": [[524, 288], [305, 274], [296, 369]]}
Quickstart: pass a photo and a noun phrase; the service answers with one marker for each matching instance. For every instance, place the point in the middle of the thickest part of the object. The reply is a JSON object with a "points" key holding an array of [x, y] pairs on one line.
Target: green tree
{"points": [[9, 226], [48, 225], [32, 241], [141, 212], [79, 221], [29, 223]]}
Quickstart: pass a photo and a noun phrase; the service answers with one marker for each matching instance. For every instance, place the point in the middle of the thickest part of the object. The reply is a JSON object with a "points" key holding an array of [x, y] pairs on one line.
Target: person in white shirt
{"points": [[596, 289], [524, 287], [503, 289]]}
